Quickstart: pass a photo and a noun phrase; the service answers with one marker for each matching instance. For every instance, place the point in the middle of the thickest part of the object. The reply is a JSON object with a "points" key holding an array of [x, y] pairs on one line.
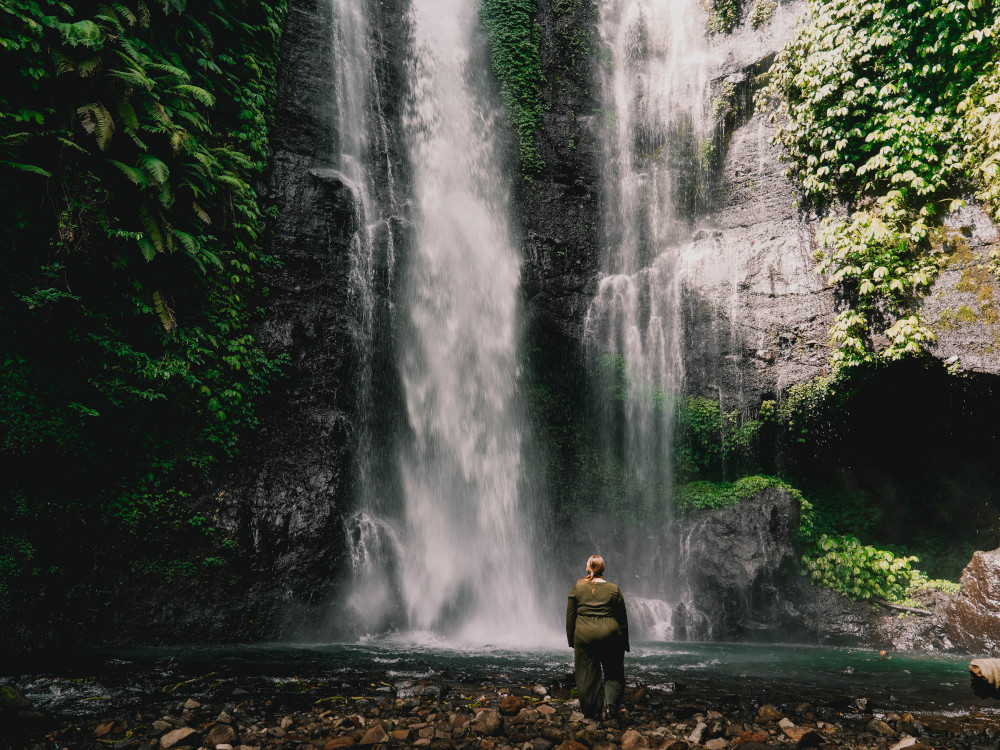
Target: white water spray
{"points": [[657, 129], [468, 567]]}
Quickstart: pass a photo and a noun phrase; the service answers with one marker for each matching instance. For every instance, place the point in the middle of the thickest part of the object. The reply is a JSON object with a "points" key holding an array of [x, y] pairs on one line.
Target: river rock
{"points": [[510, 705], [973, 619], [487, 722], [695, 737], [880, 727], [571, 745], [717, 744], [767, 712], [546, 710], [810, 739], [632, 740], [221, 734], [187, 735], [339, 743]]}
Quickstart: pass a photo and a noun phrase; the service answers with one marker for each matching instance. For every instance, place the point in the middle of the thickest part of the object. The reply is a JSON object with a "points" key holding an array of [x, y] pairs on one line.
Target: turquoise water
{"points": [[763, 673]]}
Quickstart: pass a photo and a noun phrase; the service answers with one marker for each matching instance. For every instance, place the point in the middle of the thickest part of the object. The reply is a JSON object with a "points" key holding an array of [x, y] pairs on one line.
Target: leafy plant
{"points": [[871, 96], [858, 571], [514, 35]]}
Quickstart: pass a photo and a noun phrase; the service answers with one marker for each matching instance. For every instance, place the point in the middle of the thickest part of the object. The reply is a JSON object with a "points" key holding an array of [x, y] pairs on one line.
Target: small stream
{"points": [[95, 682]]}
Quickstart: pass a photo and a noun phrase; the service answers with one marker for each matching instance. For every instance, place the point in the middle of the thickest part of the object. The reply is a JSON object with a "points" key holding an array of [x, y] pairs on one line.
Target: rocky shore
{"points": [[440, 715]]}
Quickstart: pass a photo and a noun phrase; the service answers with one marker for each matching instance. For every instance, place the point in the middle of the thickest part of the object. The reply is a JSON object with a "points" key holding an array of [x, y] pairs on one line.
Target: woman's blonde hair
{"points": [[595, 567]]}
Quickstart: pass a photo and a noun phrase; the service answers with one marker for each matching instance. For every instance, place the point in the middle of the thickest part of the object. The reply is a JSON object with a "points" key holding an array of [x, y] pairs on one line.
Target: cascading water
{"points": [[365, 165], [458, 560], [657, 128]]}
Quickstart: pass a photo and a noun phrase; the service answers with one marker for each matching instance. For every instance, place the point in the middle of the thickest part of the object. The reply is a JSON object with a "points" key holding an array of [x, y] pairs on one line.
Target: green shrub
{"points": [[843, 564]]}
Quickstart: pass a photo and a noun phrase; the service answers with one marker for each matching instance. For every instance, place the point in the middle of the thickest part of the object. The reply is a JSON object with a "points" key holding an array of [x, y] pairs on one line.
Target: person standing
{"points": [[597, 630]]}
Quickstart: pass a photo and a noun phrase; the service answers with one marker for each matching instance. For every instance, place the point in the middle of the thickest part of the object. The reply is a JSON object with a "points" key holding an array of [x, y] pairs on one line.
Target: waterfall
{"points": [[455, 555], [656, 132], [372, 538]]}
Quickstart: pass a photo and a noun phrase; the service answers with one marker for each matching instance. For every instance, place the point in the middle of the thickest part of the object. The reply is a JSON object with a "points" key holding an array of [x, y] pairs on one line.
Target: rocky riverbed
{"points": [[214, 712]]}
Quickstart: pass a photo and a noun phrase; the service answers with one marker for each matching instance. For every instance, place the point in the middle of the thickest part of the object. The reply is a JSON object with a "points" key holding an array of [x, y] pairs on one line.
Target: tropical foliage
{"points": [[131, 135], [886, 106]]}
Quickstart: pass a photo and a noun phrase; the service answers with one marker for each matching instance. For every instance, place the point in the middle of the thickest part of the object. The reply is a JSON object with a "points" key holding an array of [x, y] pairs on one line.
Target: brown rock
{"points": [[338, 743], [103, 729], [757, 737], [526, 716], [676, 745], [555, 735], [768, 712], [400, 734], [220, 734], [487, 722], [717, 744], [545, 709], [795, 734], [571, 745], [187, 734], [880, 727], [632, 740], [511, 705], [374, 736], [972, 621], [753, 746]]}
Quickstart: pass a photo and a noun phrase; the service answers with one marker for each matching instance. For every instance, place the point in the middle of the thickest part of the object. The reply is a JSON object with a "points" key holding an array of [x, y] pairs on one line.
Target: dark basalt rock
{"points": [[746, 581], [973, 619]]}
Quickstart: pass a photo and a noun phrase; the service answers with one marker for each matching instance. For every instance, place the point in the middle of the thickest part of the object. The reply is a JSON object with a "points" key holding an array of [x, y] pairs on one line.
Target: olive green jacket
{"points": [[594, 612]]}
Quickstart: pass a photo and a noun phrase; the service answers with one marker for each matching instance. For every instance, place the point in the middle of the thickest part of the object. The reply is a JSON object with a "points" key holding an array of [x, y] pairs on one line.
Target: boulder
{"points": [[511, 705], [184, 735], [221, 734], [973, 619], [632, 740], [487, 722]]}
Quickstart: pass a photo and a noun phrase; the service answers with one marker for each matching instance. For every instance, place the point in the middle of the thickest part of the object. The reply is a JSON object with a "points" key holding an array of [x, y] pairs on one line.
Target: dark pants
{"points": [[592, 657]]}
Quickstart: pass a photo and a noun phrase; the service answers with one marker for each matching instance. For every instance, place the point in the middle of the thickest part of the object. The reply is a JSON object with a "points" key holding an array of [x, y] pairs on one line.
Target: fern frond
{"points": [[137, 141], [190, 243], [90, 66], [234, 182], [111, 20], [163, 310], [71, 144], [128, 115], [134, 78], [194, 118], [134, 175], [146, 247], [166, 195], [178, 139], [197, 93], [26, 168], [170, 70], [143, 13], [105, 126], [212, 257], [157, 169], [64, 63], [126, 13], [201, 214], [153, 230]]}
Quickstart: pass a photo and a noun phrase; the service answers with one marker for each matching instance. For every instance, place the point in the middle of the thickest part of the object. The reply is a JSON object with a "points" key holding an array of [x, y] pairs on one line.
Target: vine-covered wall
{"points": [[132, 136]]}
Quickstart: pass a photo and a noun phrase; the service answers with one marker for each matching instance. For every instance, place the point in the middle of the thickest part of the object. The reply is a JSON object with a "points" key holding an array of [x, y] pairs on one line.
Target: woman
{"points": [[597, 630]]}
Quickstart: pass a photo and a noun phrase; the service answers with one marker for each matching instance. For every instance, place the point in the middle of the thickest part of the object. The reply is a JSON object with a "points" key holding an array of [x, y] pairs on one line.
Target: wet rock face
{"points": [[560, 205], [743, 561], [973, 619], [746, 581]]}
